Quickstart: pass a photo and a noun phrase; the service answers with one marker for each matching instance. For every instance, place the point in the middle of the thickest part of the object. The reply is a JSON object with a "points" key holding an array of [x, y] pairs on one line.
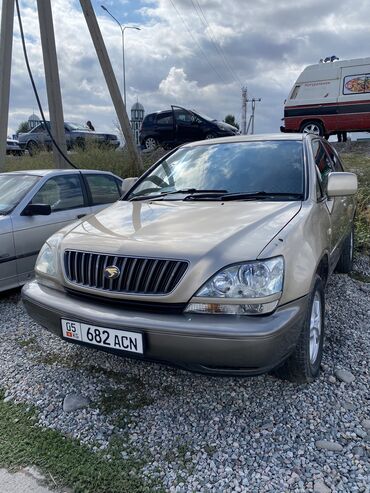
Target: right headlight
{"points": [[250, 288], [47, 261]]}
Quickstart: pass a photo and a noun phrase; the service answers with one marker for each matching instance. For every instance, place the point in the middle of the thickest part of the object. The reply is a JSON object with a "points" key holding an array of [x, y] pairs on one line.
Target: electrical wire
{"points": [[196, 42], [200, 13], [66, 158]]}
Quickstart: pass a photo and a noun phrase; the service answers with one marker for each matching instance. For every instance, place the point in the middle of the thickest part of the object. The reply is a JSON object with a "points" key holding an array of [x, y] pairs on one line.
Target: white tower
{"points": [[137, 117]]}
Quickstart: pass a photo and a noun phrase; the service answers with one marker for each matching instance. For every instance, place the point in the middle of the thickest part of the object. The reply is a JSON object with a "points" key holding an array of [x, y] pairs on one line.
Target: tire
{"points": [[32, 148], [312, 127], [80, 143], [344, 265], [303, 365], [150, 143]]}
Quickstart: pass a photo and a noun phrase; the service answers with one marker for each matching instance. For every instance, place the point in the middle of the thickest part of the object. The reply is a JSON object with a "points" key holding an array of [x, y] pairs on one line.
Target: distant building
{"points": [[137, 117], [33, 121]]}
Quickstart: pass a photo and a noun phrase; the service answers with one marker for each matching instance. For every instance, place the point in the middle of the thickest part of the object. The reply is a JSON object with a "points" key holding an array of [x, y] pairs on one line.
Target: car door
{"points": [[335, 206], [8, 267], [187, 125], [354, 96], [67, 198], [347, 202], [103, 190], [164, 128]]}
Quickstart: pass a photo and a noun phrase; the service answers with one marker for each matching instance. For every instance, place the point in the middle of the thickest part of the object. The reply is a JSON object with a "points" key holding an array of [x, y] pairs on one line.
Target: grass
{"points": [[358, 276], [93, 157], [359, 163], [68, 462]]}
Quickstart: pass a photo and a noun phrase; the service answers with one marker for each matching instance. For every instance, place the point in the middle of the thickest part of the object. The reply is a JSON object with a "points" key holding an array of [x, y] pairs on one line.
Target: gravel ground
{"points": [[207, 434]]}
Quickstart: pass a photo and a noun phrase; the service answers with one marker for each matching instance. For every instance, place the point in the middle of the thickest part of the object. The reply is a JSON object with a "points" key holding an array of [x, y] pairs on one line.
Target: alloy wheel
{"points": [[315, 327]]}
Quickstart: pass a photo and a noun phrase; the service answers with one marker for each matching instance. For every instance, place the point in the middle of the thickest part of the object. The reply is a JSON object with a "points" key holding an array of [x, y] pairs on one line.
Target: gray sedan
{"points": [[35, 204]]}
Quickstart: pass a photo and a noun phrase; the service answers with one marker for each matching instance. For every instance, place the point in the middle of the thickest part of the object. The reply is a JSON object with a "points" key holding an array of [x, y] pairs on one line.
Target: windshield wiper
{"points": [[190, 191], [258, 195]]}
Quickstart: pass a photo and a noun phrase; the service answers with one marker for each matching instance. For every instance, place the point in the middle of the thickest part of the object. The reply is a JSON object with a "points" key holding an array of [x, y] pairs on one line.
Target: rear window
{"points": [[148, 120]]}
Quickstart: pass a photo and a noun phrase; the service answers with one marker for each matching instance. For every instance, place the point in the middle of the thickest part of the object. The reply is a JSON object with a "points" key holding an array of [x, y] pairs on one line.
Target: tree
{"points": [[23, 127], [230, 119]]}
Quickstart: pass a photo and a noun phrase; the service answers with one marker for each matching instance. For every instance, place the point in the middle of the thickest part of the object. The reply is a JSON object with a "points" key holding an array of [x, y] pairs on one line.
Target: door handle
{"points": [[79, 216]]}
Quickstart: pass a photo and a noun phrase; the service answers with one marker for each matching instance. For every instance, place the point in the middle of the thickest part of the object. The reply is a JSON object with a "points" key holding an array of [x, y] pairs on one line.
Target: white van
{"points": [[330, 97]]}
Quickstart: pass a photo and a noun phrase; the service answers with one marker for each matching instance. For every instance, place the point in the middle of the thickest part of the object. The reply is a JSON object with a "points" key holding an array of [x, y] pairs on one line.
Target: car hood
{"points": [[209, 235], [227, 127], [186, 230]]}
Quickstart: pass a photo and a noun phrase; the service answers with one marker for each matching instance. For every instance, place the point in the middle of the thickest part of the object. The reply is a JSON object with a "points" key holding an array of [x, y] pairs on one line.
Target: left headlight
{"points": [[47, 261], [250, 288]]}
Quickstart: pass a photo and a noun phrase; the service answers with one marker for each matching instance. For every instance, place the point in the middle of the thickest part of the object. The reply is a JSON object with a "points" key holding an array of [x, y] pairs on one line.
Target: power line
{"points": [[196, 42], [200, 13]]}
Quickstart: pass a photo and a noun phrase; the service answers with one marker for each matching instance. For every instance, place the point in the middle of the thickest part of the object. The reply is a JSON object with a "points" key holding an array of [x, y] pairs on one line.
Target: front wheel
{"points": [[150, 143], [303, 365], [32, 148], [316, 128]]}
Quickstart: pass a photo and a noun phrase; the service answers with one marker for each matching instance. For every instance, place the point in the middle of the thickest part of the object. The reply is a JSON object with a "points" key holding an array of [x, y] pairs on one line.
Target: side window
{"points": [[103, 188], [61, 193], [334, 157], [165, 119], [184, 116], [295, 92], [323, 163]]}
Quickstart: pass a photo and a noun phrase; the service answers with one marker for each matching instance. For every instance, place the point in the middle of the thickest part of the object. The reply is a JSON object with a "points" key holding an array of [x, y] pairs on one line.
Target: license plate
{"points": [[101, 336]]}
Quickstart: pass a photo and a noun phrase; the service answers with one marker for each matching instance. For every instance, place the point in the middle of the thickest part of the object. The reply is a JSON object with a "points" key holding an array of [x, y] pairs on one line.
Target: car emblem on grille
{"points": [[111, 272]]}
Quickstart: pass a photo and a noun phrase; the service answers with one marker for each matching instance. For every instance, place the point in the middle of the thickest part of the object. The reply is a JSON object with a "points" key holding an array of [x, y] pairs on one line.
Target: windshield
{"points": [[13, 187], [77, 126], [205, 117], [237, 167]]}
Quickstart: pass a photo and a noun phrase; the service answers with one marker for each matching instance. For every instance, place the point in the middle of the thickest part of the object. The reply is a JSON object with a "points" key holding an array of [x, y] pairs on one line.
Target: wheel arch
{"points": [[312, 120]]}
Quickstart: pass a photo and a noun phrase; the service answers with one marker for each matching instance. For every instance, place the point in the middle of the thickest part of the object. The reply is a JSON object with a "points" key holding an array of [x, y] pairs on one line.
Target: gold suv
{"points": [[215, 260]]}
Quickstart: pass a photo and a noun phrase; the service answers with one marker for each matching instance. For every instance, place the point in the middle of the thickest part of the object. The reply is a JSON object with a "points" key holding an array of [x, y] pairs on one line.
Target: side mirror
{"points": [[341, 184], [128, 183], [37, 210]]}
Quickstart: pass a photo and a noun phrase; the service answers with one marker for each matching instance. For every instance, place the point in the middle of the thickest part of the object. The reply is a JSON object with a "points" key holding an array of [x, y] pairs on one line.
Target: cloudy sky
{"points": [[194, 53]]}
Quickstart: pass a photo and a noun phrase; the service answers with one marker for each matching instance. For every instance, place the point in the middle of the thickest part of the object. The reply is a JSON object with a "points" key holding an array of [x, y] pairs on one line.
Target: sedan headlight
{"points": [[251, 288], [47, 261]]}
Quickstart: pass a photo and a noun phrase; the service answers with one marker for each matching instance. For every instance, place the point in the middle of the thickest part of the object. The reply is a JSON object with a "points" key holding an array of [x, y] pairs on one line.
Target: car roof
{"points": [[251, 138], [46, 172]]}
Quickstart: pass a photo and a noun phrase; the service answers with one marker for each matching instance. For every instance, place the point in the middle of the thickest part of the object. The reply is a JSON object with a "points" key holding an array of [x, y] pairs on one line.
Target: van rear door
{"points": [[354, 98]]}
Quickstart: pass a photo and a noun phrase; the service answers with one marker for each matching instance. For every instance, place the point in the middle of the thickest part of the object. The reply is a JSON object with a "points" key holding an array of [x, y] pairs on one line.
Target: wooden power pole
{"points": [[52, 81], [6, 44], [112, 84]]}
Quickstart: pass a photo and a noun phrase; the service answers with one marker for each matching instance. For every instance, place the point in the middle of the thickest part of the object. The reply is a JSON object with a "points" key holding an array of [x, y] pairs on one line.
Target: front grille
{"points": [[137, 274]]}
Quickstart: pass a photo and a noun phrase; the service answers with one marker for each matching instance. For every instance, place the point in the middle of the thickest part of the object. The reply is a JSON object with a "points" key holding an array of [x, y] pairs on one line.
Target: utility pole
{"points": [[111, 81], [244, 110], [49, 53], [6, 44], [251, 119]]}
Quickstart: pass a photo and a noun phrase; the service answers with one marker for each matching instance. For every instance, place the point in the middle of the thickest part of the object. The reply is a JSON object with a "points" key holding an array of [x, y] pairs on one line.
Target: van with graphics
{"points": [[330, 97]]}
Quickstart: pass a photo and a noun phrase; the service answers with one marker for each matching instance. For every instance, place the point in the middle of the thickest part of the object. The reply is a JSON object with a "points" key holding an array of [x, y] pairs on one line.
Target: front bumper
{"points": [[218, 344]]}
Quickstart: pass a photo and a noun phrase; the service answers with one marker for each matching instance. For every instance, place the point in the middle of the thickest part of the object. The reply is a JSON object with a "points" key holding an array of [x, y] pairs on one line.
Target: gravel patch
{"points": [[196, 433]]}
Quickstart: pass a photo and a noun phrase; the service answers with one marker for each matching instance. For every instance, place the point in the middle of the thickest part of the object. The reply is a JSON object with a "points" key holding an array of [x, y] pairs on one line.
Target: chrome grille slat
{"points": [[111, 281], [138, 275]]}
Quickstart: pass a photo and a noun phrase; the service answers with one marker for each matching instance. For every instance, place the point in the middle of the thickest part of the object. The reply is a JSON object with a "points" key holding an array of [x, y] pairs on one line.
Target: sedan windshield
{"points": [[13, 187], [244, 170]]}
